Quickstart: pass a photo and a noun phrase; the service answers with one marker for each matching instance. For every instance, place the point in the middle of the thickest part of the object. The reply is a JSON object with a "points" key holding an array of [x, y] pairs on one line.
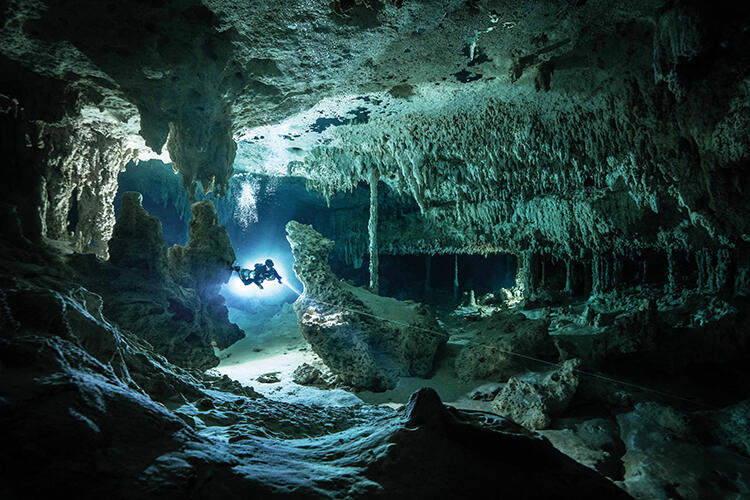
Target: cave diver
{"points": [[259, 274]]}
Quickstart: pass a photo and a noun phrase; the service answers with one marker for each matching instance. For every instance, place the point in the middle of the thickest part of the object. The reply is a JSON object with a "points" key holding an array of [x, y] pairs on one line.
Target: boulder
{"points": [[488, 354], [594, 443], [367, 340], [729, 426], [531, 400], [306, 374]]}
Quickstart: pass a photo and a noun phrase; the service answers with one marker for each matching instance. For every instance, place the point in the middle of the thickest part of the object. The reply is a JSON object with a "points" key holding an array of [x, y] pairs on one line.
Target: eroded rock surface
{"points": [[367, 340], [137, 240], [533, 399], [593, 442], [432, 429], [490, 353], [665, 458], [204, 264]]}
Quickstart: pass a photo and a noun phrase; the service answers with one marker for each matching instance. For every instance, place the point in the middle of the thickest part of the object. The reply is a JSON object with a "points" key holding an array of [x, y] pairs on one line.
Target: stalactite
{"points": [[721, 273], [703, 261], [742, 280], [616, 271], [373, 229]]}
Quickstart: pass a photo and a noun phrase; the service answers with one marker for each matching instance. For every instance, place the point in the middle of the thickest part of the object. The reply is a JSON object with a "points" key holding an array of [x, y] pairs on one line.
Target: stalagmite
{"points": [[372, 227]]}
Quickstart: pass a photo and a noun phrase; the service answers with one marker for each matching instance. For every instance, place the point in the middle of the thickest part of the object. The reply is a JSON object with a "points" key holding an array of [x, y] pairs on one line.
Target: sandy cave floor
{"points": [[274, 346]]}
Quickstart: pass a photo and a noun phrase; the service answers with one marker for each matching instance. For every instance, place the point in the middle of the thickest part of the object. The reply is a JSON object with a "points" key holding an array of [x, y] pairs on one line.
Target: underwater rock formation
{"points": [[205, 262], [86, 404], [532, 399], [433, 430], [593, 442], [647, 327], [729, 426], [141, 296], [606, 149], [367, 340], [490, 354], [137, 240]]}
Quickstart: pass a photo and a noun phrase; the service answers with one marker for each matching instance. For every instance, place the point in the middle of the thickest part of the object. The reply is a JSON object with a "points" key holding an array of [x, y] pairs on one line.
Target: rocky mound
{"points": [[532, 400], [369, 341], [488, 354]]}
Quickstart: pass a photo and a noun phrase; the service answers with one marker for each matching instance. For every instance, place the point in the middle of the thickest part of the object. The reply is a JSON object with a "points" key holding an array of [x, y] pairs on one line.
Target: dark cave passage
{"points": [[405, 276]]}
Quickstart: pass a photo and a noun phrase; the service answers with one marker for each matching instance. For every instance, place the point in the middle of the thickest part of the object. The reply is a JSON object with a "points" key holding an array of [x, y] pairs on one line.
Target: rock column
{"points": [[568, 277], [372, 227]]}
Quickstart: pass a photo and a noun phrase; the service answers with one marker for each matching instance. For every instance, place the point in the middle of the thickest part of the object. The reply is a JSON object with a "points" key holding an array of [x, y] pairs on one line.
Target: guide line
{"points": [[512, 353]]}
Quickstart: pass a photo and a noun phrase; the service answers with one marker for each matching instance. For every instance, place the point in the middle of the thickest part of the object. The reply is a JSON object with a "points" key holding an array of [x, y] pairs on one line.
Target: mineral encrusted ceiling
{"points": [[564, 127]]}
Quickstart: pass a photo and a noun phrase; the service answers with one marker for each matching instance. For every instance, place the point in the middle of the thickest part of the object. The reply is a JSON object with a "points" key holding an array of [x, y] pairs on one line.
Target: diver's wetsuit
{"points": [[265, 273], [246, 275], [258, 275]]}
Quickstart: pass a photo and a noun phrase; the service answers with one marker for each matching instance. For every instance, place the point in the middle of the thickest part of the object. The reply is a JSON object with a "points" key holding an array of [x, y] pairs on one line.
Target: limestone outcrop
{"points": [[434, 430], [204, 264], [531, 400], [140, 295], [137, 240], [367, 340], [653, 329], [490, 354], [594, 442]]}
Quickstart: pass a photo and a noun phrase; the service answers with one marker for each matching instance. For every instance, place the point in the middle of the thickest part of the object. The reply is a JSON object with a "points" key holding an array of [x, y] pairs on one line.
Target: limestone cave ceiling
{"points": [[565, 127]]}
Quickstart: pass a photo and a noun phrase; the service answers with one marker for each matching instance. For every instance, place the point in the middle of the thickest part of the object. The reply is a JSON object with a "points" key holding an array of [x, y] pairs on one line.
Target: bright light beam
{"points": [[291, 288]]}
